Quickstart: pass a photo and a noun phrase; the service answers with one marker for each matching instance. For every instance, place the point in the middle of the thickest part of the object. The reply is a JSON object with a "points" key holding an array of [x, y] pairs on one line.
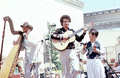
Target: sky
{"points": [[98, 5]]}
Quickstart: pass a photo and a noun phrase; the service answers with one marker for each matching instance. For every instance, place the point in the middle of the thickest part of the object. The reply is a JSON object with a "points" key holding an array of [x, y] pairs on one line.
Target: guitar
{"points": [[62, 44]]}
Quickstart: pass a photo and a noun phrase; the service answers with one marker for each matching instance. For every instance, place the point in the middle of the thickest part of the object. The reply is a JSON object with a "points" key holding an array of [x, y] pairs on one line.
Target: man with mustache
{"points": [[68, 56]]}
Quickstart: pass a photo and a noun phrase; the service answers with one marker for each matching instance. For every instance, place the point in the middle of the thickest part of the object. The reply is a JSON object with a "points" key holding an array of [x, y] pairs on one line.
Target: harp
{"points": [[8, 67]]}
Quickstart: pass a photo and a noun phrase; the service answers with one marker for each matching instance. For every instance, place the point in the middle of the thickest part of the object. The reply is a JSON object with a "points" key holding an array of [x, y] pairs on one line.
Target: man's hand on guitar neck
{"points": [[85, 29], [88, 25]]}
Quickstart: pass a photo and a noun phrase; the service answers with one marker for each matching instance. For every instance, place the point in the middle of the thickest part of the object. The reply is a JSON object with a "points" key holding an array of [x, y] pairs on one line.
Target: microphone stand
{"points": [[50, 46], [111, 69], [50, 50], [33, 66], [82, 71]]}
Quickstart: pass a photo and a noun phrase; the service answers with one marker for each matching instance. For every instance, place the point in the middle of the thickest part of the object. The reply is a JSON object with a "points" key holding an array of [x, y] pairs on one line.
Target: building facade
{"points": [[107, 22]]}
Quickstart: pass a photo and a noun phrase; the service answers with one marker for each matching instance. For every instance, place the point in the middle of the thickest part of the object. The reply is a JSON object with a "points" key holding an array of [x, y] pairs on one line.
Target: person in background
{"points": [[117, 70]]}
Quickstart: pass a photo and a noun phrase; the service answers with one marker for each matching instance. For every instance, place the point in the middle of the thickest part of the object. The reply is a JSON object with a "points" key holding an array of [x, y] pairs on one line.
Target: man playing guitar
{"points": [[67, 55]]}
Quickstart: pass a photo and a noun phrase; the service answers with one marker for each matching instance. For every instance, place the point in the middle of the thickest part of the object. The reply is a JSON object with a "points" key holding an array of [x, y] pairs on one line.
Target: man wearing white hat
{"points": [[31, 53]]}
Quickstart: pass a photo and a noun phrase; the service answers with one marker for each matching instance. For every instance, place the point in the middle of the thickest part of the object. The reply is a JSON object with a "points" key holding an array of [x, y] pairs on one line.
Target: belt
{"points": [[93, 58], [90, 58], [70, 47]]}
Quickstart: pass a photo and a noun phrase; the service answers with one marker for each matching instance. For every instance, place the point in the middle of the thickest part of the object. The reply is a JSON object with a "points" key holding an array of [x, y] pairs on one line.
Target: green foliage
{"points": [[54, 52]]}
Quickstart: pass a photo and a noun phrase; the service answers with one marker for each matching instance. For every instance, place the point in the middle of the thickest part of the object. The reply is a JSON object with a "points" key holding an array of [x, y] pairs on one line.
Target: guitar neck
{"points": [[75, 33], [88, 25]]}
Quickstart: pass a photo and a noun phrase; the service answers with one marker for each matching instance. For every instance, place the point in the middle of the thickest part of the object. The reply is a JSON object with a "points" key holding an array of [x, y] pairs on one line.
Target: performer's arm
{"points": [[101, 51], [84, 50], [32, 40], [16, 42], [56, 35], [80, 38]]}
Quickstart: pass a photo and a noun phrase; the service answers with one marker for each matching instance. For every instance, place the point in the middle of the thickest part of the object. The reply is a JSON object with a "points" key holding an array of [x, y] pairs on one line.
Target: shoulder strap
{"points": [[88, 44], [89, 47]]}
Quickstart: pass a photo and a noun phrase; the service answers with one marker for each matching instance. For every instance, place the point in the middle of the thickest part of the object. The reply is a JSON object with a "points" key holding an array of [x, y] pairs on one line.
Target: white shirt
{"points": [[31, 52]]}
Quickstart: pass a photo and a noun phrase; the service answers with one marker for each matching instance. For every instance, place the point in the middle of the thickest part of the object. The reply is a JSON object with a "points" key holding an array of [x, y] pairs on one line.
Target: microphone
{"points": [[53, 25], [44, 40]]}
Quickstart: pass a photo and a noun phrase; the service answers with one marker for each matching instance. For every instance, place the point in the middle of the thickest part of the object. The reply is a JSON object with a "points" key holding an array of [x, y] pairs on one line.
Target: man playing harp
{"points": [[30, 45]]}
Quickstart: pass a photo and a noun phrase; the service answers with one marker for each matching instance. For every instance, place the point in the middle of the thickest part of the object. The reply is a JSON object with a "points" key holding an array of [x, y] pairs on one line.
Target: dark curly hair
{"points": [[66, 17], [94, 32]]}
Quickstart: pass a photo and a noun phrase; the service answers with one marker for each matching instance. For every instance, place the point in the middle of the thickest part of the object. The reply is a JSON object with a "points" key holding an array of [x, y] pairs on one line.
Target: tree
{"points": [[53, 52]]}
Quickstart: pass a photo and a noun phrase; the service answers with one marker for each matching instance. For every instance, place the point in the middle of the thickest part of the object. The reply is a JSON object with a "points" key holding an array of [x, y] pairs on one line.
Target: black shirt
{"points": [[58, 31]]}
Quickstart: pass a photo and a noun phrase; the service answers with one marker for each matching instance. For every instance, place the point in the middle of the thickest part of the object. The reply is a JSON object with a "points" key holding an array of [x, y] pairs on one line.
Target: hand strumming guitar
{"points": [[94, 49]]}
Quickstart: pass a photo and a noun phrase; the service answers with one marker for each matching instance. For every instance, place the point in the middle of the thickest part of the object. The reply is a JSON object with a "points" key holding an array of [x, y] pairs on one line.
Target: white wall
{"points": [[37, 13]]}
